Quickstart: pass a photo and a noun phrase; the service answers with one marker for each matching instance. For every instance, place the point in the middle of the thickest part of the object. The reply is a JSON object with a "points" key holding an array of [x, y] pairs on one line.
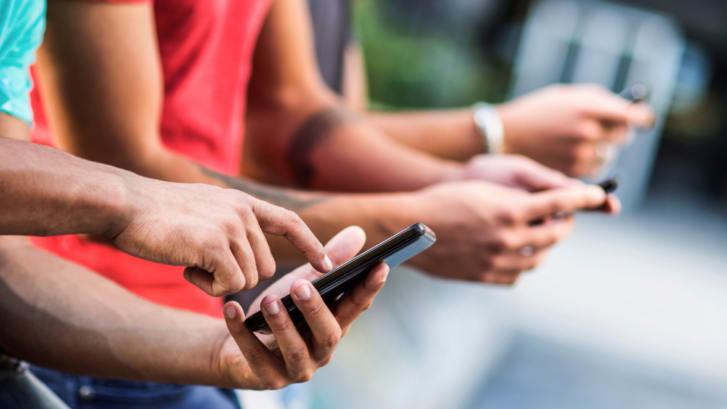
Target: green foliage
{"points": [[424, 70]]}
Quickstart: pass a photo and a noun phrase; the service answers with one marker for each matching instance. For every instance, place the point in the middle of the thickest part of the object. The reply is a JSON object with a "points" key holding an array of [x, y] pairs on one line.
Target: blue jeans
{"points": [[20, 389], [83, 392]]}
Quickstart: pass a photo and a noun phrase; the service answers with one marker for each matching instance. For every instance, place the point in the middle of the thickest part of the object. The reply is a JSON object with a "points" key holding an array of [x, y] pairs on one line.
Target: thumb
{"points": [[569, 199], [641, 115], [345, 245], [534, 177]]}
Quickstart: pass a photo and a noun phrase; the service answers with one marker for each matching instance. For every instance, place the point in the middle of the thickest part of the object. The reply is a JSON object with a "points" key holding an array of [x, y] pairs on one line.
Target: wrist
{"points": [[121, 198]]}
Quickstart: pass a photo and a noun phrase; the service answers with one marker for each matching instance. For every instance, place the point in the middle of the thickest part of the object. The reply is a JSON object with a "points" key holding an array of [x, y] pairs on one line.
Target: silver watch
{"points": [[489, 126]]}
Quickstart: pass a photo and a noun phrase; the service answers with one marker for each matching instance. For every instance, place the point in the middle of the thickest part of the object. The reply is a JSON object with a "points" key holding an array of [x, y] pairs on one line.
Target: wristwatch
{"points": [[489, 126]]}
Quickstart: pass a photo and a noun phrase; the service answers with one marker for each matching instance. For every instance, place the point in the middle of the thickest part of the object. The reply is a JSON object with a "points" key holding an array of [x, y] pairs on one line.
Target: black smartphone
{"points": [[609, 185], [392, 251]]}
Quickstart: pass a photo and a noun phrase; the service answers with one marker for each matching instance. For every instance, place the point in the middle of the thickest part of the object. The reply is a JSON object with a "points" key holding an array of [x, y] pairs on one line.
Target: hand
{"points": [[217, 233], [289, 357], [565, 126], [516, 171], [484, 231], [524, 173]]}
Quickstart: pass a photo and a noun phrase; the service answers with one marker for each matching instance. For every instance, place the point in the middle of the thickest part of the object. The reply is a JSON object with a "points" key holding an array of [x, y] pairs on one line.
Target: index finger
{"points": [[568, 199], [282, 222]]}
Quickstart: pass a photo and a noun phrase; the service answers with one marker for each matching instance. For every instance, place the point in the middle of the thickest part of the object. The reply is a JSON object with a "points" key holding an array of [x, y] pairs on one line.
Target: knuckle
{"points": [[489, 277], [266, 271], [500, 244], [331, 341], [316, 309], [297, 355], [325, 361], [507, 216], [279, 325], [362, 304], [305, 376], [214, 242], [275, 383], [247, 284], [253, 357], [292, 220]]}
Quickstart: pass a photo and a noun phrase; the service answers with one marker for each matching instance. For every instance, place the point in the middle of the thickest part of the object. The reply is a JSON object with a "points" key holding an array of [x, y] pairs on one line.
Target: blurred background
{"points": [[629, 312]]}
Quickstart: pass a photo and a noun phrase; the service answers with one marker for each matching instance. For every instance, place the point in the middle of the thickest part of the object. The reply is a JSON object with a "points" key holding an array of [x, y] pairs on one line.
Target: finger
{"points": [[609, 107], [242, 251], [223, 277], [568, 199], [323, 325], [536, 177], [281, 222], [501, 277], [345, 245], [616, 134], [612, 205], [515, 261], [292, 346], [641, 115], [358, 299], [264, 261], [545, 234], [259, 358], [341, 248]]}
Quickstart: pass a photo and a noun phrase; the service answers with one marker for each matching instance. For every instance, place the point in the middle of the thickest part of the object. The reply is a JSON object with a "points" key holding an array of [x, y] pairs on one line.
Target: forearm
{"points": [[329, 148], [48, 192], [60, 316], [446, 134]]}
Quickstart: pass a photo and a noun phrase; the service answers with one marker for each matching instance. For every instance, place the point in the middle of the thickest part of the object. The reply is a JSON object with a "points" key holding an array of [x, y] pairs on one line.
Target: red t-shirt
{"points": [[206, 49]]}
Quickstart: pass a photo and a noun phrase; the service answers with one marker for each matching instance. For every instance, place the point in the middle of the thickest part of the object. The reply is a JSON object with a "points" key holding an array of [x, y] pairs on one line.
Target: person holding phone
{"points": [[59, 315], [570, 128], [168, 86]]}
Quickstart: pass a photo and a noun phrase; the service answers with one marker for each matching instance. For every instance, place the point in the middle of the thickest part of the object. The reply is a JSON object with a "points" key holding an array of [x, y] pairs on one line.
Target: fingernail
{"points": [[230, 311], [303, 292], [272, 308], [383, 279], [327, 264]]}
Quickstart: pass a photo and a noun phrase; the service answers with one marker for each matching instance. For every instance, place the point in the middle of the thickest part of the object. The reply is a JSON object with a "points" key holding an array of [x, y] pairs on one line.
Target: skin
{"points": [[217, 233], [295, 126], [100, 329], [558, 126]]}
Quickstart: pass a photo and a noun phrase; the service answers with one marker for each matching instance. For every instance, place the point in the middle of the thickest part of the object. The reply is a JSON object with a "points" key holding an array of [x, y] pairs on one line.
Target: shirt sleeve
{"points": [[22, 23]]}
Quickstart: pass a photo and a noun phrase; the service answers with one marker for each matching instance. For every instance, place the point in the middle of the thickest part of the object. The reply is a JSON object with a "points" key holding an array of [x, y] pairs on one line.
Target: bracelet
{"points": [[489, 126]]}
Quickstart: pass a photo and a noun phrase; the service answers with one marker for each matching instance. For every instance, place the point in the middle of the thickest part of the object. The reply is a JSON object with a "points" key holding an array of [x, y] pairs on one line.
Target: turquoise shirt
{"points": [[22, 23]]}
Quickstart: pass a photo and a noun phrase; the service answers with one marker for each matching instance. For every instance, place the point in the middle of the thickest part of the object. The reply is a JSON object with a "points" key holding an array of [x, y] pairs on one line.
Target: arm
{"points": [[216, 233], [557, 126], [91, 44], [60, 316], [97, 328], [298, 132]]}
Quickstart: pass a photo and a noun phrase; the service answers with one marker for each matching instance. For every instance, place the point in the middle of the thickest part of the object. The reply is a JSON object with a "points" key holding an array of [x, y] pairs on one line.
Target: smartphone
{"points": [[609, 185], [392, 251]]}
